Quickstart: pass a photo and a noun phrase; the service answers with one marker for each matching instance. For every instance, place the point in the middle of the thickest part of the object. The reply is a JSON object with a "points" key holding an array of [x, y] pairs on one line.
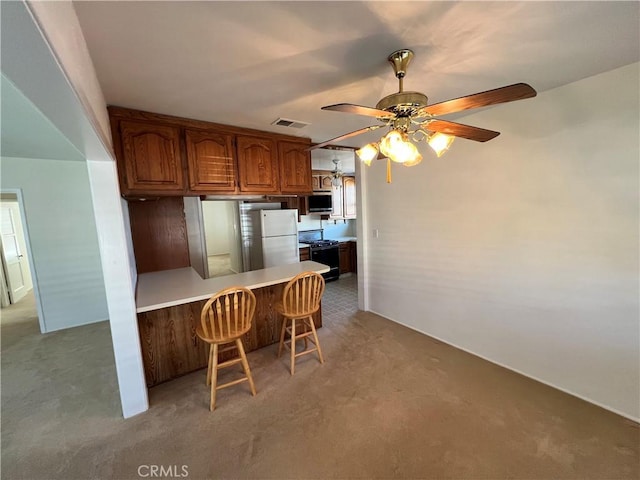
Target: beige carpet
{"points": [[388, 403]]}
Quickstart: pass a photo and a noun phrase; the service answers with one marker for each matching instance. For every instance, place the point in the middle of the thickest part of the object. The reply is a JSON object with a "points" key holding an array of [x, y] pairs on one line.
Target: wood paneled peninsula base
{"points": [[169, 304]]}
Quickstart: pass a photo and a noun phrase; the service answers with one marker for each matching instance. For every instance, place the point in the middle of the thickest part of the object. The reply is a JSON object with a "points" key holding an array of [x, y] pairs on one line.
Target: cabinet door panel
{"points": [[211, 162], [257, 169], [151, 155], [326, 183], [336, 202], [345, 257], [295, 167], [354, 256], [349, 192]]}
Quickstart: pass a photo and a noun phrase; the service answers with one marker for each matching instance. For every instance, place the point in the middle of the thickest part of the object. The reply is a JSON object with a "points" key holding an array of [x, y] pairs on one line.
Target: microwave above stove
{"points": [[320, 203]]}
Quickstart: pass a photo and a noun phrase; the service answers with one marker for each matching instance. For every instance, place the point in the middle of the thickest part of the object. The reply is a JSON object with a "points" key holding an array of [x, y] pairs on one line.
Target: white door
{"points": [[15, 263]]}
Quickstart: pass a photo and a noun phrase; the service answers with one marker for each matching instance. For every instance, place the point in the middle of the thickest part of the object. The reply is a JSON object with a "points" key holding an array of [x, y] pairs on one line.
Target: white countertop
{"points": [[183, 285]]}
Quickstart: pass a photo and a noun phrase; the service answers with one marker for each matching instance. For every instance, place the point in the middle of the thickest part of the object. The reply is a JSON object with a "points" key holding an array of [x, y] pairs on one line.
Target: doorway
{"points": [[18, 292], [221, 221]]}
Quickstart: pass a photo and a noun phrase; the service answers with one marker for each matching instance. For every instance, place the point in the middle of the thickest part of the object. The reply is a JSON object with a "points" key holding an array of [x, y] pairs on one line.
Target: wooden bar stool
{"points": [[224, 319], [300, 300]]}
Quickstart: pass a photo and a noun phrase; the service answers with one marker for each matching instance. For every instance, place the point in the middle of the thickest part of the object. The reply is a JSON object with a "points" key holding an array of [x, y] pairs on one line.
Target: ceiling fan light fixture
{"points": [[398, 148], [368, 153], [415, 159], [412, 119], [440, 142], [336, 174], [394, 146]]}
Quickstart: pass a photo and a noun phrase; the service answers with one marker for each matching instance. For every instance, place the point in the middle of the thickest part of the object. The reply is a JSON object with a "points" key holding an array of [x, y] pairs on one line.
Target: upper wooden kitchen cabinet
{"points": [[149, 157], [349, 192], [161, 155], [295, 167], [211, 162], [321, 181], [257, 164]]}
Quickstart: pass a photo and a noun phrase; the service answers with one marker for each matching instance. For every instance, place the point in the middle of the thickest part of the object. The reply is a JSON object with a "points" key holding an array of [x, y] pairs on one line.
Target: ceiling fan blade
{"points": [[517, 91], [358, 110], [460, 130], [346, 135]]}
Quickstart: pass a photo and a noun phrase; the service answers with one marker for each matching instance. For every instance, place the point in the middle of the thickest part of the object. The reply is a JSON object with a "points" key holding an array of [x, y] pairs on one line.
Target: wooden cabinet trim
{"points": [[128, 113]]}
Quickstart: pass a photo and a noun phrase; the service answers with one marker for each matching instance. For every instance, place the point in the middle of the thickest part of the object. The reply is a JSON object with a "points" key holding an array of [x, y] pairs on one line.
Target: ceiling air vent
{"points": [[286, 122]]}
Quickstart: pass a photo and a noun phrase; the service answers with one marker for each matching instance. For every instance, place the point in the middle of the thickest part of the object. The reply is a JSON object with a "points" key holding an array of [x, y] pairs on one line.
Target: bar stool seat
{"points": [[300, 300], [224, 319]]}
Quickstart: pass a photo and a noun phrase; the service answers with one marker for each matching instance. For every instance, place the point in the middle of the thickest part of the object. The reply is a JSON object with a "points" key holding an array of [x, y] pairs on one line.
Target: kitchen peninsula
{"points": [[169, 303]]}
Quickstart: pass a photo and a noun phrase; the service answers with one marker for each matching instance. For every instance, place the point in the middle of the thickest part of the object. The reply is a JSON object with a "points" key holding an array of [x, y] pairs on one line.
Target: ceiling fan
{"points": [[409, 117]]}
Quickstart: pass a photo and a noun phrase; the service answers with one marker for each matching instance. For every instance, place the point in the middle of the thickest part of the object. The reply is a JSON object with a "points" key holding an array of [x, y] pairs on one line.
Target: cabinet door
{"points": [[354, 256], [349, 192], [315, 182], [159, 234], [295, 167], [325, 183], [257, 165], [151, 157], [337, 209], [212, 166], [345, 257]]}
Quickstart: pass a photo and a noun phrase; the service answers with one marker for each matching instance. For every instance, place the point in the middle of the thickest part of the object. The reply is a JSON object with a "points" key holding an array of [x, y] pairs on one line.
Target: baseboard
{"points": [[564, 390]]}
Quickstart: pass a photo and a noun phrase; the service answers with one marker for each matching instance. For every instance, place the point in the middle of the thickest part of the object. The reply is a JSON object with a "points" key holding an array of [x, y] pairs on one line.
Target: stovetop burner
{"points": [[321, 243]]}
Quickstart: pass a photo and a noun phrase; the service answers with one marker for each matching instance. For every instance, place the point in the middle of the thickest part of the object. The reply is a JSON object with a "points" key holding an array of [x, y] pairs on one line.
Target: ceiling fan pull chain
{"points": [[388, 171]]}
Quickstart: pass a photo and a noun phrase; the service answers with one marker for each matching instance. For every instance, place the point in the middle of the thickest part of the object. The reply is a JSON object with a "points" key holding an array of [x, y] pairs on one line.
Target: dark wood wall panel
{"points": [[171, 348], [159, 234]]}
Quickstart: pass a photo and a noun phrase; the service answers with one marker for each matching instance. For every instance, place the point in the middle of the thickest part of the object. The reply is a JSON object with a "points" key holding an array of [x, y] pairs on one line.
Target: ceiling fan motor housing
{"points": [[403, 103]]}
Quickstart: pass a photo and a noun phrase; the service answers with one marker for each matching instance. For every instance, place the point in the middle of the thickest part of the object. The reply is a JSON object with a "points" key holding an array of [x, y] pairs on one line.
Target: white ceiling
{"points": [[248, 63]]}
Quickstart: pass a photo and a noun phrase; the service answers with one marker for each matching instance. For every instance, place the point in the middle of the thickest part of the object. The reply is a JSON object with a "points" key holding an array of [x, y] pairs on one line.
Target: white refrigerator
{"points": [[274, 238]]}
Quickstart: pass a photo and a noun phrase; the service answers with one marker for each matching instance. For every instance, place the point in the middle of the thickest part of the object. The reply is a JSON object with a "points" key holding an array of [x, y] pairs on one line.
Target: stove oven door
{"points": [[329, 256]]}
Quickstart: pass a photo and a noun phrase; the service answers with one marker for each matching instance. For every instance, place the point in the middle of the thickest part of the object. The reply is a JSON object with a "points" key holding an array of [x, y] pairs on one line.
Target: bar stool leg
{"points": [[293, 345], [245, 366], [209, 366], [315, 337], [282, 330], [214, 376]]}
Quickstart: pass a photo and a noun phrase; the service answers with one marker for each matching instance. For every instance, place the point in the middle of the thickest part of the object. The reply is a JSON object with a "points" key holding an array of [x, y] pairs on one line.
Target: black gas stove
{"points": [[318, 244], [323, 251]]}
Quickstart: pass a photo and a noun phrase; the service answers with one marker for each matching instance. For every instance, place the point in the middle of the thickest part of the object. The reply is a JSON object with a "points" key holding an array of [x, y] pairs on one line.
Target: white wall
{"points": [[524, 250], [332, 228], [60, 81], [195, 235], [234, 236], [114, 242], [133, 271], [64, 243], [62, 30], [217, 223]]}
